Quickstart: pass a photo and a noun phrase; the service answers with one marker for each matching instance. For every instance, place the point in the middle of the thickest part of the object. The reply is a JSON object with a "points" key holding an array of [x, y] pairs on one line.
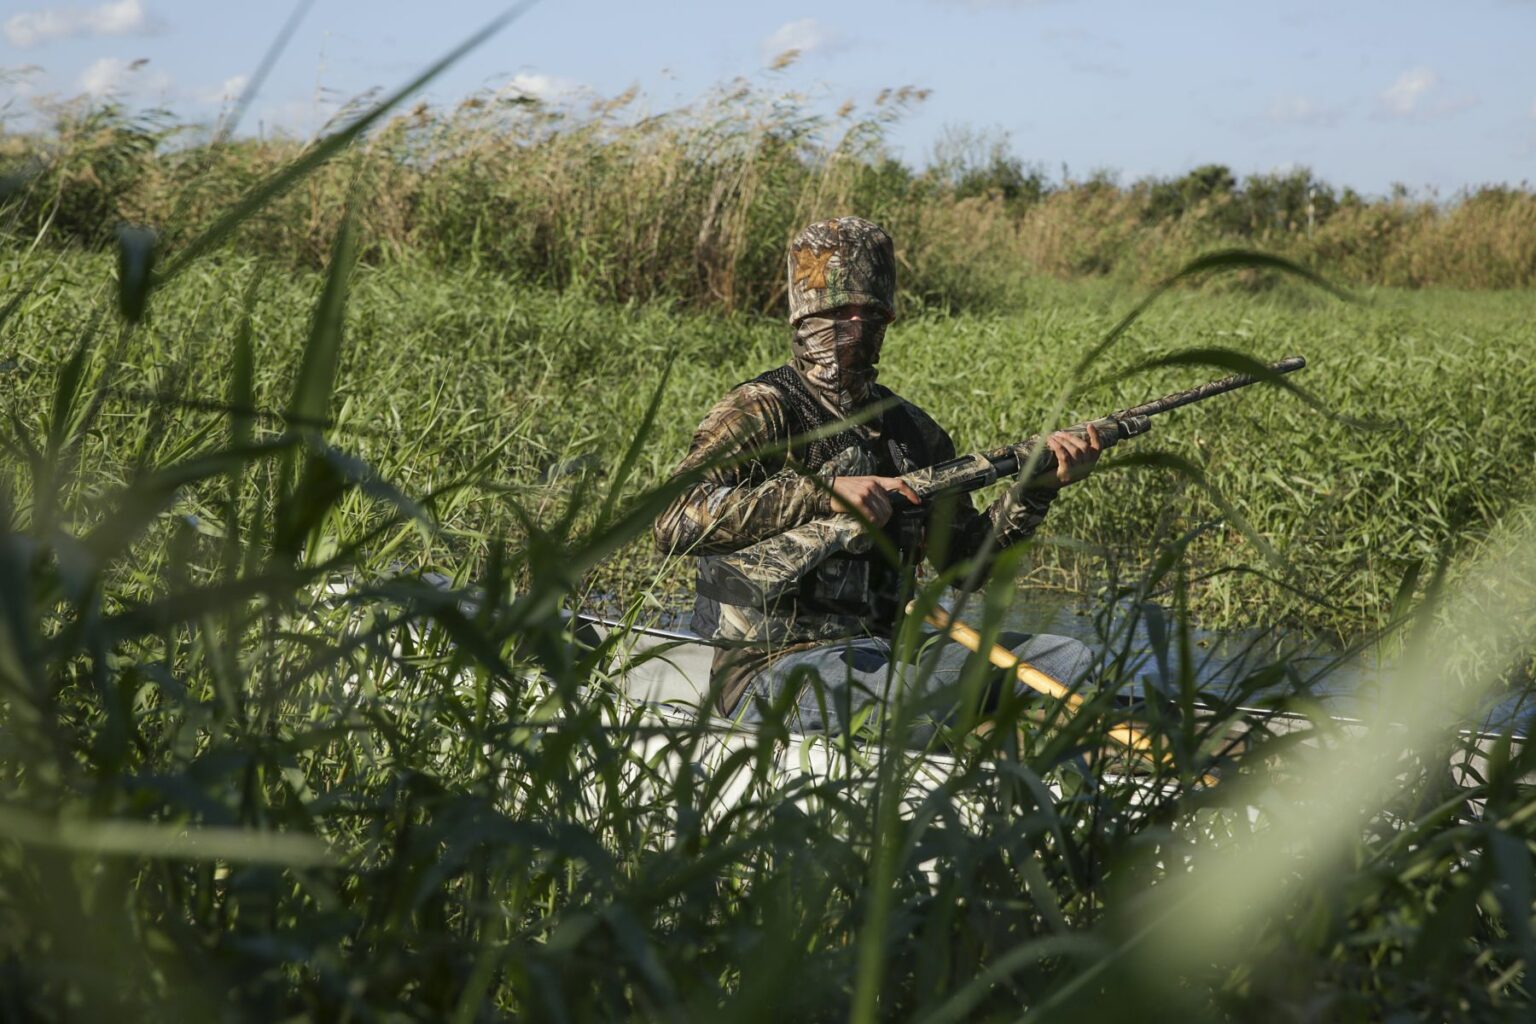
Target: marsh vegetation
{"points": [[256, 766]]}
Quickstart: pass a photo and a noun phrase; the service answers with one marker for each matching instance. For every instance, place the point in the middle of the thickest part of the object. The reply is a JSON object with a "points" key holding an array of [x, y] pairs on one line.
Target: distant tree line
{"points": [[695, 205]]}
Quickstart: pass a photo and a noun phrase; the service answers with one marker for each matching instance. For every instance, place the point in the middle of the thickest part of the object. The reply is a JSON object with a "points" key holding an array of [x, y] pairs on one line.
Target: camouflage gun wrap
{"points": [[768, 571], [973, 472]]}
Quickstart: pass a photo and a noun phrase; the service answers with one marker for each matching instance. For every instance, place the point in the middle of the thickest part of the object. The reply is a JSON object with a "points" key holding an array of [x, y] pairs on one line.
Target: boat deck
{"points": [[671, 667]]}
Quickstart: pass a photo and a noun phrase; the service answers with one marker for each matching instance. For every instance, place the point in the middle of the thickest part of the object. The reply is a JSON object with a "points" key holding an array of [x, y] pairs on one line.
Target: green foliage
{"points": [[1171, 199], [694, 205], [257, 765], [1286, 203], [91, 163], [253, 762], [976, 166], [463, 371]]}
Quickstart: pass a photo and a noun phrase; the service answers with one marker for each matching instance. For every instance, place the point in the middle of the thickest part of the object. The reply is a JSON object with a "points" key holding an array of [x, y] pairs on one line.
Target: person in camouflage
{"points": [[787, 484]]}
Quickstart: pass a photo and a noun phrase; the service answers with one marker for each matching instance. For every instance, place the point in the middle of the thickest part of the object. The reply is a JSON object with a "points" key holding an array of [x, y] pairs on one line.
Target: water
{"points": [[1143, 643]]}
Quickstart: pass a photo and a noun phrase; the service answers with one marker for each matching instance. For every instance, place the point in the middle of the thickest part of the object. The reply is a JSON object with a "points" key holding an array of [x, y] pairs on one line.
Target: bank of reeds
{"points": [[254, 770], [257, 769], [695, 204]]}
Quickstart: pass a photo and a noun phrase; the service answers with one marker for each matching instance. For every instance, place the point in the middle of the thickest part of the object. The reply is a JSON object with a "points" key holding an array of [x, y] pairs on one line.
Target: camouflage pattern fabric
{"points": [[839, 359], [755, 494], [763, 504], [847, 261]]}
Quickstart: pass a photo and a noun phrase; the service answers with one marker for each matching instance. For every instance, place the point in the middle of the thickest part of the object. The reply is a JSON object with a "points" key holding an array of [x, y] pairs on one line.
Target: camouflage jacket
{"points": [[754, 495]]}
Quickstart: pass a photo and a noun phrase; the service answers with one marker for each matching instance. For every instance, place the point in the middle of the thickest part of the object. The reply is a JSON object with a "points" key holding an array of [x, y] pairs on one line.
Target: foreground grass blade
{"points": [[142, 839], [63, 420], [258, 78], [636, 446], [317, 373], [135, 270]]}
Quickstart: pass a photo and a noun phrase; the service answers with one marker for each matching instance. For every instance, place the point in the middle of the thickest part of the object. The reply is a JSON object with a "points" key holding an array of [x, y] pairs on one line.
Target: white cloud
{"points": [[114, 76], [1420, 94], [119, 18], [107, 75], [805, 36], [1402, 96], [539, 86], [1301, 110]]}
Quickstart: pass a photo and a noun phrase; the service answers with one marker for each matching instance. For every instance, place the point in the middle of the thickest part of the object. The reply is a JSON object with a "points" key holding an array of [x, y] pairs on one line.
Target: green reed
{"points": [[257, 766], [695, 204]]}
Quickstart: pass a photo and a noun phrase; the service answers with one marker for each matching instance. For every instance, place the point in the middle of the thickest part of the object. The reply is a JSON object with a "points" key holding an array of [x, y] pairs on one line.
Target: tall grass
{"points": [[257, 766], [695, 204], [254, 771], [452, 374]]}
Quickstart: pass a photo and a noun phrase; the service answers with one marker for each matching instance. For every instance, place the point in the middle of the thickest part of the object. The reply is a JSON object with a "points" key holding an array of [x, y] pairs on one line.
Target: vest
{"points": [[844, 594]]}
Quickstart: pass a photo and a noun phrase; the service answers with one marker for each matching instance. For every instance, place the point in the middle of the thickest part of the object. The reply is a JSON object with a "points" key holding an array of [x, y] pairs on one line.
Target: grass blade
{"points": [[317, 373]]}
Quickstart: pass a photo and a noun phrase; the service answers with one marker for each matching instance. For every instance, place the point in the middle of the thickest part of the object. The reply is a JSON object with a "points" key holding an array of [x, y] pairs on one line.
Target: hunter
{"points": [[765, 483]]}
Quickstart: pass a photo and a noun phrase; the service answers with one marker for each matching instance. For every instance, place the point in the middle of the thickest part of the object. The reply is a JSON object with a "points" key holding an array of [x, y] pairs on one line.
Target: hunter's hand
{"points": [[1074, 455], [870, 496]]}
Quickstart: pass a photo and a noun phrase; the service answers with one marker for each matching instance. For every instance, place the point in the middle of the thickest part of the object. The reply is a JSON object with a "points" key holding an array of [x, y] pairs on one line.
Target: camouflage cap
{"points": [[842, 262]]}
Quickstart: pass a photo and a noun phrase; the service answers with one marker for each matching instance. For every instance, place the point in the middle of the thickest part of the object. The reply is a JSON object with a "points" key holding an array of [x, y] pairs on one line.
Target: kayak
{"points": [[665, 674], [667, 671]]}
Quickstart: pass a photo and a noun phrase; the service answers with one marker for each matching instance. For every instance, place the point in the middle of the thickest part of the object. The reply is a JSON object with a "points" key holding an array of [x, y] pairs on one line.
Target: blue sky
{"points": [[1435, 95]]}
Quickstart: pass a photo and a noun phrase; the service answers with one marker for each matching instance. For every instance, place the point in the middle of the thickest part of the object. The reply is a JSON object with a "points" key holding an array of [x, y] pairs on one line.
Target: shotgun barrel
{"points": [[975, 471]]}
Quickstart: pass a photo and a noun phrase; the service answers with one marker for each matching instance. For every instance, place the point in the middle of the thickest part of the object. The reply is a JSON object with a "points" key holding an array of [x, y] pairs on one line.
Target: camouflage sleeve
{"points": [[745, 493], [1013, 521]]}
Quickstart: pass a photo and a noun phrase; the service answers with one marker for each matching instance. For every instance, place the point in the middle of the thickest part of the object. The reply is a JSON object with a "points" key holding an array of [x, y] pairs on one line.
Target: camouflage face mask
{"points": [[839, 359]]}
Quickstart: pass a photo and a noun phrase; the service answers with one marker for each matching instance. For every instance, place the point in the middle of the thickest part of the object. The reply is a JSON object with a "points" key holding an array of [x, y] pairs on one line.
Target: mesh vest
{"points": [[844, 594]]}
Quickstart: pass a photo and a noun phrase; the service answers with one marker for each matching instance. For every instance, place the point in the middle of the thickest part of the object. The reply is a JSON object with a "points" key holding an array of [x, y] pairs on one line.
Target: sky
{"points": [[1365, 93]]}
